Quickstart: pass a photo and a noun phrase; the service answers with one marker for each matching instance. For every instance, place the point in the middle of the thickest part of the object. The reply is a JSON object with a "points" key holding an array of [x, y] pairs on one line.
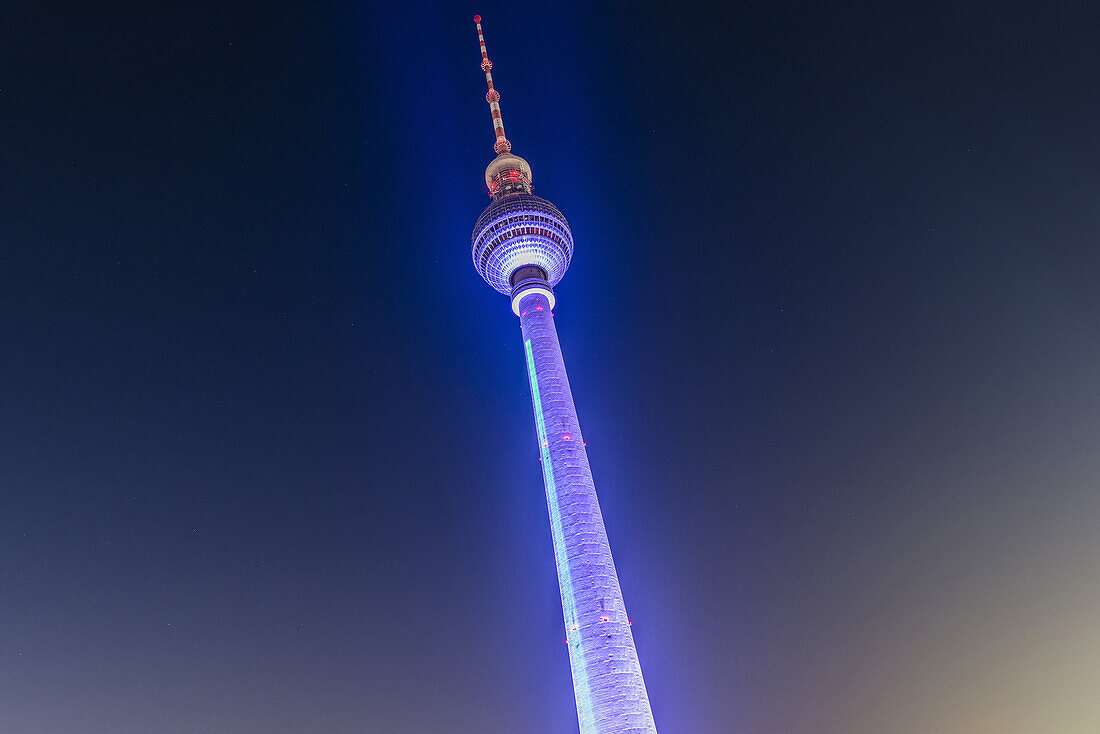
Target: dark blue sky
{"points": [[267, 462]]}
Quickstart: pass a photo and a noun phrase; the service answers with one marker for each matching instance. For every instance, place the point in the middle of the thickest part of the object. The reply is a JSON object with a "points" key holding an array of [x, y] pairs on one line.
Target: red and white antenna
{"points": [[492, 96]]}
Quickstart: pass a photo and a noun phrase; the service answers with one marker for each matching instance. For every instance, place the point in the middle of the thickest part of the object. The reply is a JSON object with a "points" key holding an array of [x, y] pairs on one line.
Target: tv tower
{"points": [[522, 247]]}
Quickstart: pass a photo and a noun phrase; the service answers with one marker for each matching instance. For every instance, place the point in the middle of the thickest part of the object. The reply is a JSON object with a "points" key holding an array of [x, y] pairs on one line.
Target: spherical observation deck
{"points": [[519, 230]]}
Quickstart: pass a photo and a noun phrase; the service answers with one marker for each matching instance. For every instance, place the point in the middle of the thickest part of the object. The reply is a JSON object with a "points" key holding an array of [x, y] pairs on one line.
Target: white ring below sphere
{"points": [[533, 289]]}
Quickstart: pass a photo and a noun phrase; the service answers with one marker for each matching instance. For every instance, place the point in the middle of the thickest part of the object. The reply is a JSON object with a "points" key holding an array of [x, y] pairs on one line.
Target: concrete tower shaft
{"points": [[607, 678]]}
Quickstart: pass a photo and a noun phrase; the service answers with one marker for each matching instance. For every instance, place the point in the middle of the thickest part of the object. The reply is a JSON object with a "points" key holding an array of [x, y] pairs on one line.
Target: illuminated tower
{"points": [[522, 247]]}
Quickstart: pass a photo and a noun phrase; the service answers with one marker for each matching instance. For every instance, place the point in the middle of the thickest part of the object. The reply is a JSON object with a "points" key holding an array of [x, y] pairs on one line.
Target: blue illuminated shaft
{"points": [[607, 679]]}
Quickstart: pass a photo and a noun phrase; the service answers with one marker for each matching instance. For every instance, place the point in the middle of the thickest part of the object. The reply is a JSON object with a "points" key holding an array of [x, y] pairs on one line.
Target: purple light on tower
{"points": [[522, 247]]}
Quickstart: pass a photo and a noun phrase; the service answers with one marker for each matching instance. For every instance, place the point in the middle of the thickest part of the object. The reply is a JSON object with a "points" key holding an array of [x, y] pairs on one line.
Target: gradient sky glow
{"points": [[267, 461]]}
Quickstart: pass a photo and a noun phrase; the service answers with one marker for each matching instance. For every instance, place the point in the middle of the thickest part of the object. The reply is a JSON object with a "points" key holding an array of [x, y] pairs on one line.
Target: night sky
{"points": [[267, 459]]}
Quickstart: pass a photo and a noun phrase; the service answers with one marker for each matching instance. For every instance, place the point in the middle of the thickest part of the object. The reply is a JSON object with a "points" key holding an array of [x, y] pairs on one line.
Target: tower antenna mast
{"points": [[492, 96]]}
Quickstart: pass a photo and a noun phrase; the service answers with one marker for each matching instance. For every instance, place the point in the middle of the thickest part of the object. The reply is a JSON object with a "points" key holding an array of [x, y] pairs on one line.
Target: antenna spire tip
{"points": [[477, 18]]}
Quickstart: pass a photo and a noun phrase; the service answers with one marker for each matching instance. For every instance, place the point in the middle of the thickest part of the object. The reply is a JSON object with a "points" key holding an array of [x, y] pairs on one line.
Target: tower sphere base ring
{"points": [[527, 290]]}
